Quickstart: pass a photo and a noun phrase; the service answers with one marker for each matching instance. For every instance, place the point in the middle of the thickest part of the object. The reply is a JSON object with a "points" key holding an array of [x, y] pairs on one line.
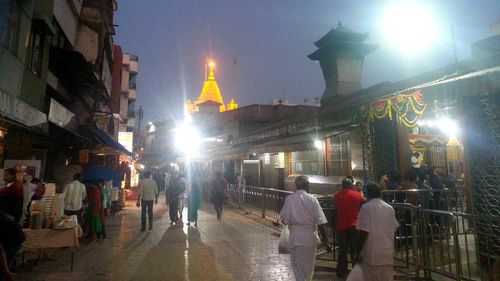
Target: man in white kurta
{"points": [[303, 213], [376, 225]]}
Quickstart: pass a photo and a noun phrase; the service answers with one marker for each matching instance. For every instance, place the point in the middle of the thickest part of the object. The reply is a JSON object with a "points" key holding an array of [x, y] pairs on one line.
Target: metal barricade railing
{"points": [[406, 254], [266, 201], [429, 242], [449, 246], [437, 199]]}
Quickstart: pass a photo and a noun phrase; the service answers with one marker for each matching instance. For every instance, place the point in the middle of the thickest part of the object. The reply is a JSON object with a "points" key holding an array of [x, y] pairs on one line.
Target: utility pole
{"points": [[140, 115], [454, 44]]}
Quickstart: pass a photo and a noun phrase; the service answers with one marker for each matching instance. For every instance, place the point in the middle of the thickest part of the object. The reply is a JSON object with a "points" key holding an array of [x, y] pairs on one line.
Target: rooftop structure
{"points": [[341, 53]]}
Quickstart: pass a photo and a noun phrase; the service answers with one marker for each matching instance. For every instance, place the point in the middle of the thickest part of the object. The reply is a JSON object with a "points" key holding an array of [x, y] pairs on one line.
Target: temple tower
{"points": [[341, 53], [210, 95]]}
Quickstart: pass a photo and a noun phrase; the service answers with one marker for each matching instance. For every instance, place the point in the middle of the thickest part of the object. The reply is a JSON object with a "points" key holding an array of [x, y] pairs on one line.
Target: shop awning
{"points": [[106, 140], [228, 152], [290, 144]]}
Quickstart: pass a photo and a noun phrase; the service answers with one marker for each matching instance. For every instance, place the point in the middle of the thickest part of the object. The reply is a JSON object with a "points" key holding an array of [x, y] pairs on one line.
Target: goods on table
{"points": [[57, 205], [65, 222], [36, 220]]}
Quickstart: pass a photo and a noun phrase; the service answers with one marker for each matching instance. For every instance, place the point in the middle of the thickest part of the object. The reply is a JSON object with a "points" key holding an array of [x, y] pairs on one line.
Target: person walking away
{"points": [[182, 197], [219, 193], [241, 189], [11, 243], [159, 178], [11, 196], [347, 204], [74, 195], [168, 179], [148, 193], [94, 212], [304, 217], [105, 197], [177, 187], [437, 187], [376, 226], [194, 198]]}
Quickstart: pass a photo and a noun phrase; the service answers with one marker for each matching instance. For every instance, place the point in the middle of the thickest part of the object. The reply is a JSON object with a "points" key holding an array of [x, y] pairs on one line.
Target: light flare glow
{"points": [[187, 138], [409, 26]]}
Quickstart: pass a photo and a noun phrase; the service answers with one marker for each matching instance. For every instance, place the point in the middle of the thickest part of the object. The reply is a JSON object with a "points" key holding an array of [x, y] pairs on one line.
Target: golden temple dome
{"points": [[210, 92], [232, 105]]}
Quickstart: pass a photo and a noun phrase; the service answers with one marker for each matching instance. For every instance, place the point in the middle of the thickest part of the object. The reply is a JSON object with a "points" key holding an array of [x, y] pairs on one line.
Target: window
{"points": [[307, 162], [59, 39], [339, 162], [9, 24], [36, 55]]}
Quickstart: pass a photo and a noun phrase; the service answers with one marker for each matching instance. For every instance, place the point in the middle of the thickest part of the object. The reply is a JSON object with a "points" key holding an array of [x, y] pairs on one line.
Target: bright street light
{"points": [[187, 138], [318, 144], [409, 26]]}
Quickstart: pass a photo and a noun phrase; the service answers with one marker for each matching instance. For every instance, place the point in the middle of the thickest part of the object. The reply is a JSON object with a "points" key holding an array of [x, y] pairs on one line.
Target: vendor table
{"points": [[52, 238]]}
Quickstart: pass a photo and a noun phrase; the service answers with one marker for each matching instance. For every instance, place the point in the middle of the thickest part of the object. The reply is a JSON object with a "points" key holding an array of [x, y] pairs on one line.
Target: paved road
{"points": [[236, 248]]}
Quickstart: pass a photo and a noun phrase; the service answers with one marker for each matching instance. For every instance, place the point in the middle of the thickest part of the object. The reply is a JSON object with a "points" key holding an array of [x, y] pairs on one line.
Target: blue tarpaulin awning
{"points": [[106, 140]]}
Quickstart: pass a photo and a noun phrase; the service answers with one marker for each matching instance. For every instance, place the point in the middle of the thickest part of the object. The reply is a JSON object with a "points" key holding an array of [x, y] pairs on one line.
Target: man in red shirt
{"points": [[347, 204], [11, 195]]}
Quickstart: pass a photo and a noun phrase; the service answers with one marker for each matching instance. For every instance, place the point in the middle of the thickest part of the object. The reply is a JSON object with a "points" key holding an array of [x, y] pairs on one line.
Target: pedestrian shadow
{"points": [[181, 255]]}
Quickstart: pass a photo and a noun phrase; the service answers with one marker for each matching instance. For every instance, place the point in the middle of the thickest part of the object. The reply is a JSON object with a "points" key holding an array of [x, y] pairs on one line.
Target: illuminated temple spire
{"points": [[210, 92]]}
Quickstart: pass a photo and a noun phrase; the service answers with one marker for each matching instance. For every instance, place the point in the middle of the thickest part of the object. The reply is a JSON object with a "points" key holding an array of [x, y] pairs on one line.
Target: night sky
{"points": [[261, 47]]}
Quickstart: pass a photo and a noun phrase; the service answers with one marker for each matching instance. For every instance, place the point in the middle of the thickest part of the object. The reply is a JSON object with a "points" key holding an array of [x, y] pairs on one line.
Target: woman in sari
{"points": [[94, 212], [194, 198]]}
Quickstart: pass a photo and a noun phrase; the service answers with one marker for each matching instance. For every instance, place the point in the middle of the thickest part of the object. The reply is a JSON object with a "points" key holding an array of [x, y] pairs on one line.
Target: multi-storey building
{"points": [[124, 94], [55, 91], [25, 34]]}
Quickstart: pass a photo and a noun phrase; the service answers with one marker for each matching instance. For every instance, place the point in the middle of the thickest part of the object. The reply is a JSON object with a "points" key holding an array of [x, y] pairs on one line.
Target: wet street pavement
{"points": [[236, 248]]}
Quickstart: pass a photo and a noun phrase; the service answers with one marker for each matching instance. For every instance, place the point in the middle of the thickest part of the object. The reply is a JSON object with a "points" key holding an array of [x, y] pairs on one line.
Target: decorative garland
{"points": [[409, 108]]}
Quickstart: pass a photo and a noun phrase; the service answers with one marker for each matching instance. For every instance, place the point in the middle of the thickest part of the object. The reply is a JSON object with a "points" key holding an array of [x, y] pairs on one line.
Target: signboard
{"points": [[59, 115], [126, 139], [20, 111]]}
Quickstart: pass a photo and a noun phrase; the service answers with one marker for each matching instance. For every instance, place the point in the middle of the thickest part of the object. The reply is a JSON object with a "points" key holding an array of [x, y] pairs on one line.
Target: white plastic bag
{"points": [[356, 273], [284, 242]]}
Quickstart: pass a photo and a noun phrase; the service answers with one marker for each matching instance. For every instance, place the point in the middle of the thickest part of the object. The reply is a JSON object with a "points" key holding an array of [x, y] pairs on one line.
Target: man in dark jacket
{"points": [[11, 241], [11, 195]]}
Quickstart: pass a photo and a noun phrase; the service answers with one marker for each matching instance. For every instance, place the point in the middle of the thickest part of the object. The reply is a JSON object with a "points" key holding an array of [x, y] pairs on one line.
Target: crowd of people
{"points": [[365, 227], [365, 223], [180, 190]]}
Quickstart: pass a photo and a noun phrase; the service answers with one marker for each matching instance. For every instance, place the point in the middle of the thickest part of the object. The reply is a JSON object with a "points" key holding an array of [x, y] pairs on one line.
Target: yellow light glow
{"points": [[211, 64]]}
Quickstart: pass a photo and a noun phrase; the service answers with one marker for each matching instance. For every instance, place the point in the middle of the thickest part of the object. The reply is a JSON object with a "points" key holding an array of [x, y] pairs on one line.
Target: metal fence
{"points": [[436, 199], [438, 240]]}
